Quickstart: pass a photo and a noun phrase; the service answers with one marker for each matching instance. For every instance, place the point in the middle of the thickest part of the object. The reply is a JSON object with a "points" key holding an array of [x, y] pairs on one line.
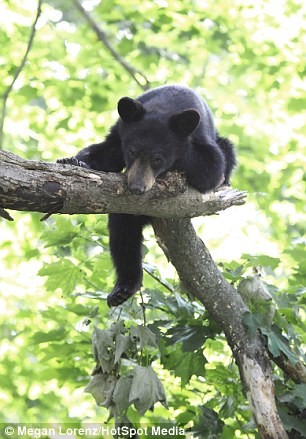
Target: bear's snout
{"points": [[140, 177], [137, 189]]}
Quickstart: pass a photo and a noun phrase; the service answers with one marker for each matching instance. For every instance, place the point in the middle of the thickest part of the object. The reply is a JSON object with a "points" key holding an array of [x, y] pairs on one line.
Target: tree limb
{"points": [[54, 188], [17, 73], [138, 77], [49, 187], [201, 276], [297, 371]]}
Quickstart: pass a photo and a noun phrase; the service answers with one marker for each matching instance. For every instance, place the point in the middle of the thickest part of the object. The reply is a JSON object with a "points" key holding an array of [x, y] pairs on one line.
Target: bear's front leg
{"points": [[125, 240]]}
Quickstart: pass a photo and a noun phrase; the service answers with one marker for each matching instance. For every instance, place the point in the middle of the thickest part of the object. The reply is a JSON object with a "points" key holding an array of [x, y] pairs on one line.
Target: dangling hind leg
{"points": [[125, 245]]}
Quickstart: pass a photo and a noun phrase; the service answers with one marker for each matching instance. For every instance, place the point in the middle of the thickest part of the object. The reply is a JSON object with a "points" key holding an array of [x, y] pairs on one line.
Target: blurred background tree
{"points": [[248, 60]]}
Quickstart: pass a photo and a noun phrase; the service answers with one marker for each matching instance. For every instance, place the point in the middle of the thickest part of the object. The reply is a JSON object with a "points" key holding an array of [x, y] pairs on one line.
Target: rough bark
{"points": [[201, 276], [53, 188], [38, 186]]}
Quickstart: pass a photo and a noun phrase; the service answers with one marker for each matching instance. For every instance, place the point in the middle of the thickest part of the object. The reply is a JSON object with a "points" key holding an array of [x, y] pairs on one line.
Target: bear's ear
{"points": [[130, 110], [184, 122]]}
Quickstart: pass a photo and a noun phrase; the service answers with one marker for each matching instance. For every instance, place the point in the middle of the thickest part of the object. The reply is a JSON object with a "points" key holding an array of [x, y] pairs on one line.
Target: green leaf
{"points": [[209, 424], [102, 387], [53, 335], [143, 335], [185, 417], [122, 342], [184, 364], [61, 274], [192, 363], [296, 104], [122, 393], [103, 349], [300, 392], [184, 306], [292, 422], [253, 322], [262, 260], [146, 389], [82, 310], [61, 233], [94, 311], [278, 344], [118, 328], [192, 336], [166, 302]]}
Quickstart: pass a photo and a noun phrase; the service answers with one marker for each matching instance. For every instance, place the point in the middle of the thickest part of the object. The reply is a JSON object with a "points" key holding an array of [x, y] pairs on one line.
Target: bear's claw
{"points": [[72, 161]]}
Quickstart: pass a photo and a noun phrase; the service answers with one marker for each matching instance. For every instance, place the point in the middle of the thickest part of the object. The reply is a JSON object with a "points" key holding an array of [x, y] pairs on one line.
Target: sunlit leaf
{"points": [[53, 335], [62, 274]]}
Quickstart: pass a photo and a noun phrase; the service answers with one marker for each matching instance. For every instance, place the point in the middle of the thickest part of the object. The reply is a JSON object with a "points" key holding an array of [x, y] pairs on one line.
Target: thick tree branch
{"points": [[201, 276], [17, 73], [54, 188], [138, 77]]}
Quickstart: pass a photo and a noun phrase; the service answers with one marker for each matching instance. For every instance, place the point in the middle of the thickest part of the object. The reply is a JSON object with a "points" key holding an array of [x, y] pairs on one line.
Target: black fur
{"points": [[167, 128]]}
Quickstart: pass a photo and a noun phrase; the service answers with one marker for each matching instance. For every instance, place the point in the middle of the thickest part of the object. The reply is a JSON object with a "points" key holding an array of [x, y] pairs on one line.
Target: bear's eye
{"points": [[156, 162], [131, 153]]}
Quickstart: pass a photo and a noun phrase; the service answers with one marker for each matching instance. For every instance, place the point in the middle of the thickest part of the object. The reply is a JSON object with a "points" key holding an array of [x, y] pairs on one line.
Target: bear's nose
{"points": [[137, 189]]}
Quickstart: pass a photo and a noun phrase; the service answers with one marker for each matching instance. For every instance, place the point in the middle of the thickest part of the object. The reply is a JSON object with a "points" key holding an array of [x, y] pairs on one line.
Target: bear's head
{"points": [[152, 141]]}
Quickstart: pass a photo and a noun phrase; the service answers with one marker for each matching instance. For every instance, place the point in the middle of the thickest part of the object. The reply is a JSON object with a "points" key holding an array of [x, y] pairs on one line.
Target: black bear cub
{"points": [[167, 128]]}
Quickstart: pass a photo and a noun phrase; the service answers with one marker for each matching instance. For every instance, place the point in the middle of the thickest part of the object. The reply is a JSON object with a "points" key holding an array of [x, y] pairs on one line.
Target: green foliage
{"points": [[117, 382], [146, 389], [208, 424], [247, 59], [63, 273]]}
